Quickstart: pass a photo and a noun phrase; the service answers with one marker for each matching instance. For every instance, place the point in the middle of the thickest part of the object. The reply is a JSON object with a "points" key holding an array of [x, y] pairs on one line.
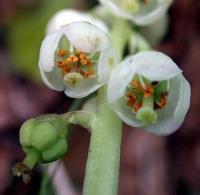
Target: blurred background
{"points": [[150, 165]]}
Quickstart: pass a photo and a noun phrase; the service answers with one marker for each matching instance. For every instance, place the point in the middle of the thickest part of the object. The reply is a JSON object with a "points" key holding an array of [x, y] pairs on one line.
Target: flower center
{"points": [[144, 97], [75, 65], [132, 5]]}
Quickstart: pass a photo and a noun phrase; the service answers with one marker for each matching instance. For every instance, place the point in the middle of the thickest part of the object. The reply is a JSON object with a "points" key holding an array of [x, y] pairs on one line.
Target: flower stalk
{"points": [[102, 168]]}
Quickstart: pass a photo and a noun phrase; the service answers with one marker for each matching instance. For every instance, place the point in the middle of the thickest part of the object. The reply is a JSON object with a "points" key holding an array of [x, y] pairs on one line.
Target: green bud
{"points": [[43, 139]]}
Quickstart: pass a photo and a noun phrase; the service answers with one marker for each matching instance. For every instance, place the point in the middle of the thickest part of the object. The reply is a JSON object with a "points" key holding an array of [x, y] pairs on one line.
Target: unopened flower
{"points": [[74, 59], [43, 139], [141, 12], [67, 16], [148, 90]]}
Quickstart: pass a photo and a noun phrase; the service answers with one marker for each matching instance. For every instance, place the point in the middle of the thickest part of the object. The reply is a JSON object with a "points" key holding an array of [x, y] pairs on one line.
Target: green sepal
{"points": [[55, 152]]}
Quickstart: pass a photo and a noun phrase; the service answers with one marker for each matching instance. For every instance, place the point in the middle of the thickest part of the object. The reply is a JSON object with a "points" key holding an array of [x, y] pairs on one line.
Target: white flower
{"points": [[74, 59], [142, 12], [66, 16], [148, 90]]}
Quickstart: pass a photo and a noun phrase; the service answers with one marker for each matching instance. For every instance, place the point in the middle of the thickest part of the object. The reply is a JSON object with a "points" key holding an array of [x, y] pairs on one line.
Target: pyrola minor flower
{"points": [[66, 16], [148, 90], [142, 12], [73, 59]]}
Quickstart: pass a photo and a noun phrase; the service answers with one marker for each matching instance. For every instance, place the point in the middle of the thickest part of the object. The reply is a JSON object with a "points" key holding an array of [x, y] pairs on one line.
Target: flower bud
{"points": [[43, 139]]}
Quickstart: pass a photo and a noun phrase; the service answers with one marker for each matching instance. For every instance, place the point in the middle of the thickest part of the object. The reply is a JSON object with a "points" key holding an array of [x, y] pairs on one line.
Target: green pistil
{"points": [[130, 5], [146, 114]]}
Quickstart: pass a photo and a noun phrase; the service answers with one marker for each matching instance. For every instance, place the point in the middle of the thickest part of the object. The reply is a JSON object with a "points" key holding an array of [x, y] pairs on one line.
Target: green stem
{"points": [[120, 35], [102, 169], [31, 159]]}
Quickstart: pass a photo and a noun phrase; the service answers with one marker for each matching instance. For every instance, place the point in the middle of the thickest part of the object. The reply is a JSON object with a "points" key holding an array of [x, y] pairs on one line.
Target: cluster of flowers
{"points": [[145, 90]]}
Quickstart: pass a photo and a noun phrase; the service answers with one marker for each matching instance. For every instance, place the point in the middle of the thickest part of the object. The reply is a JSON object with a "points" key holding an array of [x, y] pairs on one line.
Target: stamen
{"points": [[82, 56], [78, 62], [61, 64], [137, 107], [61, 52], [135, 84], [131, 99], [84, 61], [142, 82], [87, 73], [148, 91]]}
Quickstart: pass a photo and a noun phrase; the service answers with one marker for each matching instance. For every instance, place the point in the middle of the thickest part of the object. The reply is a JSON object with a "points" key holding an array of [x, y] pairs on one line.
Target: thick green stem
{"points": [[102, 169]]}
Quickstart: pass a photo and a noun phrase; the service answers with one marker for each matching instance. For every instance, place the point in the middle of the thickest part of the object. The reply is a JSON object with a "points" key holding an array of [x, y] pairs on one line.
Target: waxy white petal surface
{"points": [[86, 37], [107, 62], [67, 16]]}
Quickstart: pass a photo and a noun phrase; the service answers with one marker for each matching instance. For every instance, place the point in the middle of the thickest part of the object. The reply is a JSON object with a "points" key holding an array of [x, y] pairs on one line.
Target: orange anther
{"points": [[61, 52], [131, 99], [84, 61], [61, 64], [148, 91], [162, 102], [82, 56], [88, 73], [89, 63], [67, 69], [135, 84], [137, 107]]}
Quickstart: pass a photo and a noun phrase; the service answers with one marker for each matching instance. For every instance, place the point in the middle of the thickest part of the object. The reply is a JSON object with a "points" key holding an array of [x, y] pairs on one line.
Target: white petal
{"points": [[107, 62], [171, 118], [67, 16], [125, 113], [184, 101], [155, 66], [83, 89], [86, 37], [120, 77], [53, 79], [47, 51], [154, 15]]}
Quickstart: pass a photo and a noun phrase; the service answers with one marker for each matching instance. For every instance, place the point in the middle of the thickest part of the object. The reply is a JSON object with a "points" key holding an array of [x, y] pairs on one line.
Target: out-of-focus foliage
{"points": [[26, 32]]}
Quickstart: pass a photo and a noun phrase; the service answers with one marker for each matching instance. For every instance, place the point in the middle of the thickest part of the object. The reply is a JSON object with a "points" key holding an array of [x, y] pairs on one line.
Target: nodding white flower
{"points": [[142, 12], [148, 90], [76, 59], [66, 16]]}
